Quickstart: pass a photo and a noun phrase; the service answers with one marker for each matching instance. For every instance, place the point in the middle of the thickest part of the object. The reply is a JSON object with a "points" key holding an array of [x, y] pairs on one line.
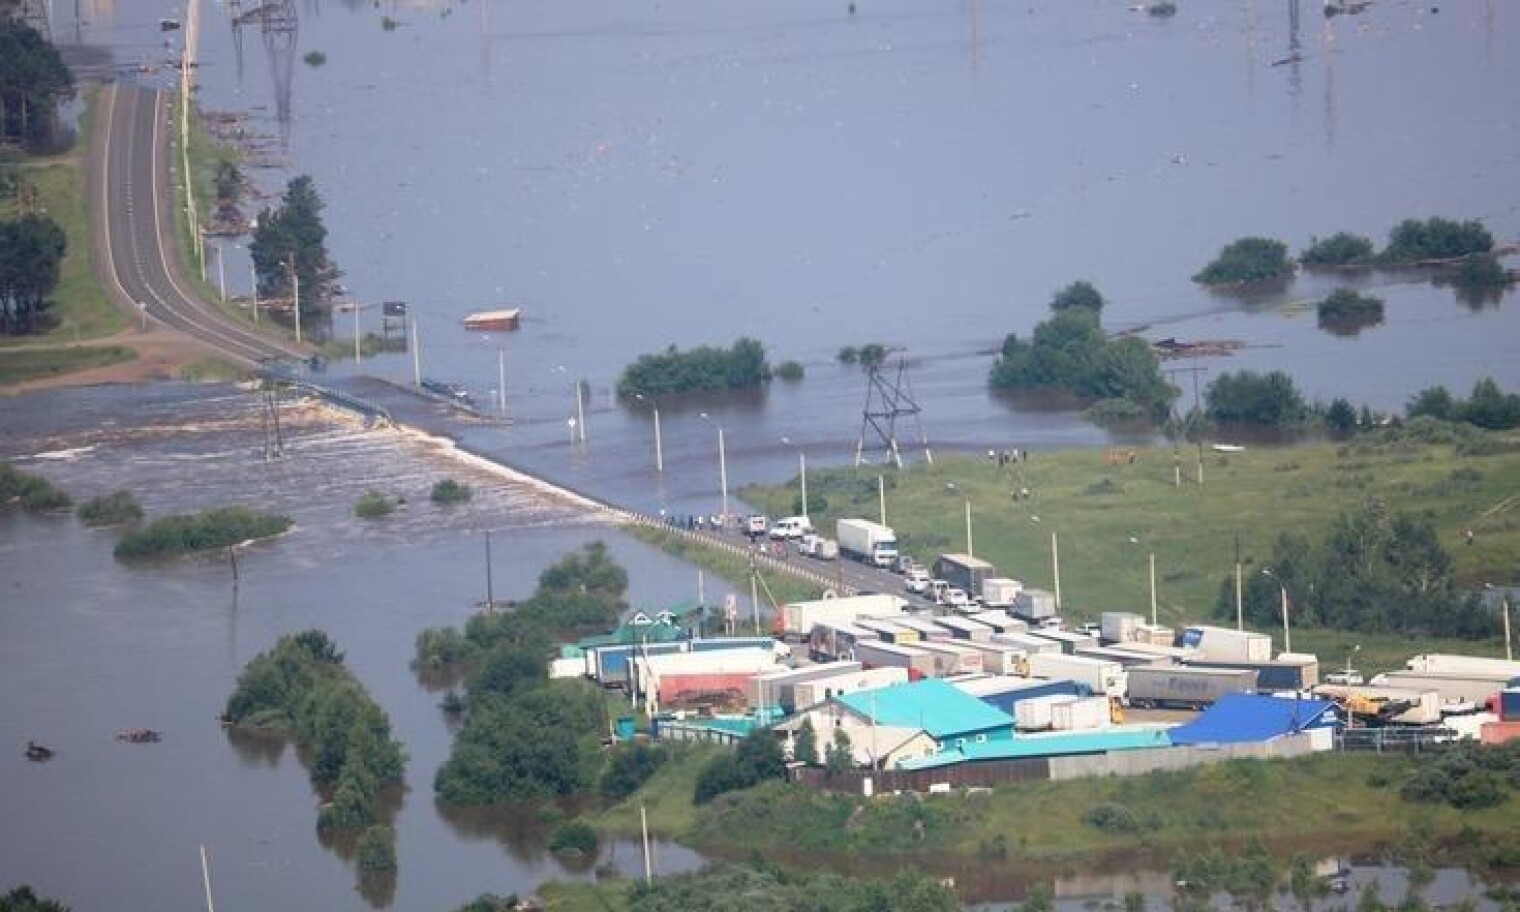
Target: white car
{"points": [[791, 527], [916, 581], [956, 598], [1349, 678]]}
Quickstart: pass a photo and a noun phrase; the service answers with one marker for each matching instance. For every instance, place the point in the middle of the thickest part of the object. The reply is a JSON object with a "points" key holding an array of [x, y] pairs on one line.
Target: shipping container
{"points": [[819, 690], [652, 676], [965, 629], [795, 620], [1509, 705], [1120, 626], [609, 664], [1000, 591], [1501, 670], [1081, 714], [998, 658], [1102, 677], [890, 631], [927, 628], [918, 663], [1453, 688], [963, 571], [953, 658], [1155, 635], [1119, 654], [836, 640], [1289, 672], [1037, 713], [1034, 604], [1500, 732], [1185, 687], [779, 688], [719, 644], [1069, 641], [1000, 621], [1222, 644], [1004, 693], [1027, 642]]}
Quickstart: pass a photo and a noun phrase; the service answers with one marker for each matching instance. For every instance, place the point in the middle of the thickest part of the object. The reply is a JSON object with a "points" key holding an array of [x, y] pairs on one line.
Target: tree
{"points": [[1070, 352], [757, 759], [806, 749], [33, 79], [1251, 398], [1340, 417], [291, 238], [22, 899], [706, 367], [1434, 402], [31, 261], [1490, 408], [1250, 259], [1305, 885], [839, 757], [1345, 312], [1081, 294], [1413, 241], [1339, 249]]}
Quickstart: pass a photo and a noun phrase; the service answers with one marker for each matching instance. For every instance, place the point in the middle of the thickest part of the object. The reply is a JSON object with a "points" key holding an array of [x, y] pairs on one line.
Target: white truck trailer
{"points": [[1108, 679], [1189, 688], [794, 620], [866, 541]]}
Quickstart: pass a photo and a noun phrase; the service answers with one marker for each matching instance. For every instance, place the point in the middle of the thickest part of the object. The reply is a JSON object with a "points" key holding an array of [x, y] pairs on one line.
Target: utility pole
{"points": [[1198, 409], [416, 355], [253, 274], [1240, 610], [501, 379], [881, 497], [295, 285], [1055, 564]]}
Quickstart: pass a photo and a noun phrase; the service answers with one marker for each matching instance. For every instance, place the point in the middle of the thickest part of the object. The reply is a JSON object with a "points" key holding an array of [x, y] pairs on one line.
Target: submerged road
{"points": [[135, 219]]}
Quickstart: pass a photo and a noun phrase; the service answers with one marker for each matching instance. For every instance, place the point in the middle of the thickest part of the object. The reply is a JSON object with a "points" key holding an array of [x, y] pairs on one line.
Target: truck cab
{"points": [[936, 591], [791, 527]]}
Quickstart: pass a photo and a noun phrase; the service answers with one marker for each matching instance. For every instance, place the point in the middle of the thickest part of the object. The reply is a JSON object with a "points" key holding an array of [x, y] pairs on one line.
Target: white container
{"points": [[1034, 604], [1474, 666], [1037, 713], [1102, 678], [1080, 715], [1120, 626], [1000, 591], [796, 619]]}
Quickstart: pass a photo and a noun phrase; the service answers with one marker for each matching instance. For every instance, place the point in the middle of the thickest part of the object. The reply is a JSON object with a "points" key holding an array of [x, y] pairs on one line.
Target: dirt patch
{"points": [[162, 354]]}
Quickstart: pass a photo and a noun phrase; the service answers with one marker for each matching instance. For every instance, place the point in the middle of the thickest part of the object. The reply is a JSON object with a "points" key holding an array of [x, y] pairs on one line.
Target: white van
{"points": [[791, 527]]}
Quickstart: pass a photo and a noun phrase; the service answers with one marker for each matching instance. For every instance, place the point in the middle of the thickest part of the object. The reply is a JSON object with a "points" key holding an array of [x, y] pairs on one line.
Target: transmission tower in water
{"points": [[886, 402]]}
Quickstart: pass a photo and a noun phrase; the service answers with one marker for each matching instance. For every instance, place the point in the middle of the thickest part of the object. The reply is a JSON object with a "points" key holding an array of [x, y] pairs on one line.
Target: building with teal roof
{"points": [[1047, 744], [952, 717]]}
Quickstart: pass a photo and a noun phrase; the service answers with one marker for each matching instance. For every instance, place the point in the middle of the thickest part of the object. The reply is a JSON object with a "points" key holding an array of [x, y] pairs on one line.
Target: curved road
{"points": [[136, 223]]}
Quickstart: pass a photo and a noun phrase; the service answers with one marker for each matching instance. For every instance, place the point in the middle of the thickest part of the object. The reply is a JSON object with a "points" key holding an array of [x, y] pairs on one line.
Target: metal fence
{"points": [[1394, 739]]}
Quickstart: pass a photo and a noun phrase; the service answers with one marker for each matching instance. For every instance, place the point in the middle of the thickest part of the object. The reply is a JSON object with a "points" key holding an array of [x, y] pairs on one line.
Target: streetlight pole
{"points": [[1504, 616], [723, 474], [1283, 590], [1153, 588], [801, 471], [501, 379], [969, 548], [295, 284], [253, 274], [659, 446], [358, 354]]}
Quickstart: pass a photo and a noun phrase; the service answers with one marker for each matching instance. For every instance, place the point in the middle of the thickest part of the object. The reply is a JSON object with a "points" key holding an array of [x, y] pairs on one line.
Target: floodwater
{"points": [[89, 646], [920, 173]]}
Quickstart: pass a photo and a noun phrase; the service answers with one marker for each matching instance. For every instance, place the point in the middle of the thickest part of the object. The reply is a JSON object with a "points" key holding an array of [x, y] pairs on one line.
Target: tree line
{"points": [[1410, 242], [33, 80]]}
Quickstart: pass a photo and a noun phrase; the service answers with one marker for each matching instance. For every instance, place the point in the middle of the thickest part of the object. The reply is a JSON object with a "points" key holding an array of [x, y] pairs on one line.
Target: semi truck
{"points": [[964, 572], [1289, 672], [1106, 678], [1188, 688], [1034, 604], [866, 541], [1222, 644]]}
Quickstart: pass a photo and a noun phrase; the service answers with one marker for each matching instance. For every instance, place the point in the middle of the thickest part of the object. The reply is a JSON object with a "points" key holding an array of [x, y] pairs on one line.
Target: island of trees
{"points": [[221, 527], [289, 250], [1070, 353], [705, 368], [33, 492], [1344, 311], [301, 690]]}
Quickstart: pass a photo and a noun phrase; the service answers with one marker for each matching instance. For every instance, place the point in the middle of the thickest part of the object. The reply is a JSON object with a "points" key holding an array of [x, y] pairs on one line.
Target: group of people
{"points": [[694, 522]]}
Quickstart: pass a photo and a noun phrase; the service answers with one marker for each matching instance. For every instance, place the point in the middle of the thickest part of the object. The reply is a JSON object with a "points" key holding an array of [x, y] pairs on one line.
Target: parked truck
{"points": [[1222, 644], [1474, 666], [1106, 678], [1187, 688], [1288, 672], [866, 541], [963, 571], [1034, 604], [919, 664], [1000, 591]]}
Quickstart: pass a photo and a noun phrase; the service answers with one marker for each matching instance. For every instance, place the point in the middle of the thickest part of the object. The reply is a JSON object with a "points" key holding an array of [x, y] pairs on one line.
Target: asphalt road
{"points": [[133, 200]]}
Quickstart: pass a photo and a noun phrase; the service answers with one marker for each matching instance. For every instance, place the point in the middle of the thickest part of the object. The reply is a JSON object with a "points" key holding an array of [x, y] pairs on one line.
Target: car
{"points": [[956, 598], [916, 581], [1052, 623]]}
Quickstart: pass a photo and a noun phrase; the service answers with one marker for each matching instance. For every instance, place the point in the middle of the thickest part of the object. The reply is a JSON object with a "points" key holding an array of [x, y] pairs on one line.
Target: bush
{"points": [[848, 355], [630, 767], [374, 505], [1113, 818], [573, 838], [376, 849], [315, 58], [1250, 259], [789, 370], [449, 491], [1412, 240], [34, 492], [1344, 310], [115, 509], [222, 527], [1070, 352], [701, 369], [1340, 249], [758, 759], [1251, 398]]}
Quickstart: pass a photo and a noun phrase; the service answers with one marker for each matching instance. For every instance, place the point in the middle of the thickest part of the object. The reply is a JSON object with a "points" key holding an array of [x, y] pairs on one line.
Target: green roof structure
{"points": [[940, 709]]}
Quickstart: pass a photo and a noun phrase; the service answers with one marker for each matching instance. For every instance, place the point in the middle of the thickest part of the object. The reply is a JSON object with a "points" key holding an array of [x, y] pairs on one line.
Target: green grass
{"points": [[784, 587], [603, 896], [1097, 507], [80, 305], [22, 364], [667, 797]]}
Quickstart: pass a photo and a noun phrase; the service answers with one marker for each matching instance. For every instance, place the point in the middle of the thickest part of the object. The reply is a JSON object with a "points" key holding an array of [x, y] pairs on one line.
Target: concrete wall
{"points": [[1138, 762]]}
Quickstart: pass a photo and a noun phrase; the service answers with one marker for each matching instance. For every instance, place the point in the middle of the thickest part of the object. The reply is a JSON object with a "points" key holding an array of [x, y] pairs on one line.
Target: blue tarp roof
{"points": [[937, 707], [1058, 744], [1237, 718]]}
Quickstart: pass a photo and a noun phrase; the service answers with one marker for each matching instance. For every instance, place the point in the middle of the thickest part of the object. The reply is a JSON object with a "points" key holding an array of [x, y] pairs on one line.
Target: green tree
{"points": [[33, 80], [1080, 294], [1070, 352], [1339, 249], [1435, 402], [704, 368], [1340, 417], [23, 899], [1249, 259], [1345, 312], [839, 757], [1412, 241], [1251, 398], [1305, 885], [292, 238], [575, 837], [31, 261], [539, 743], [449, 491], [757, 759], [1370, 898], [630, 766], [1488, 407], [376, 849], [806, 748]]}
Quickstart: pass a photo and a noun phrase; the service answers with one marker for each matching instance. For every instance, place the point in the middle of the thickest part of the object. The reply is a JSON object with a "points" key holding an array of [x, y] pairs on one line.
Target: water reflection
{"points": [[256, 748]]}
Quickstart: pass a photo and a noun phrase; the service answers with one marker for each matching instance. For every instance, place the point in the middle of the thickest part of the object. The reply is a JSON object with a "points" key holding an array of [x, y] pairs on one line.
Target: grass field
{"points": [[783, 587], [30, 364], [1110, 516], [603, 896], [666, 797], [80, 305]]}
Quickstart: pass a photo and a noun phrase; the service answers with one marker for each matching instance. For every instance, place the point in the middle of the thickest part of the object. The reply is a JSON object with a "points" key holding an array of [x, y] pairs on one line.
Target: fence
{"points": [[1140, 762], [1393, 739], [962, 775]]}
